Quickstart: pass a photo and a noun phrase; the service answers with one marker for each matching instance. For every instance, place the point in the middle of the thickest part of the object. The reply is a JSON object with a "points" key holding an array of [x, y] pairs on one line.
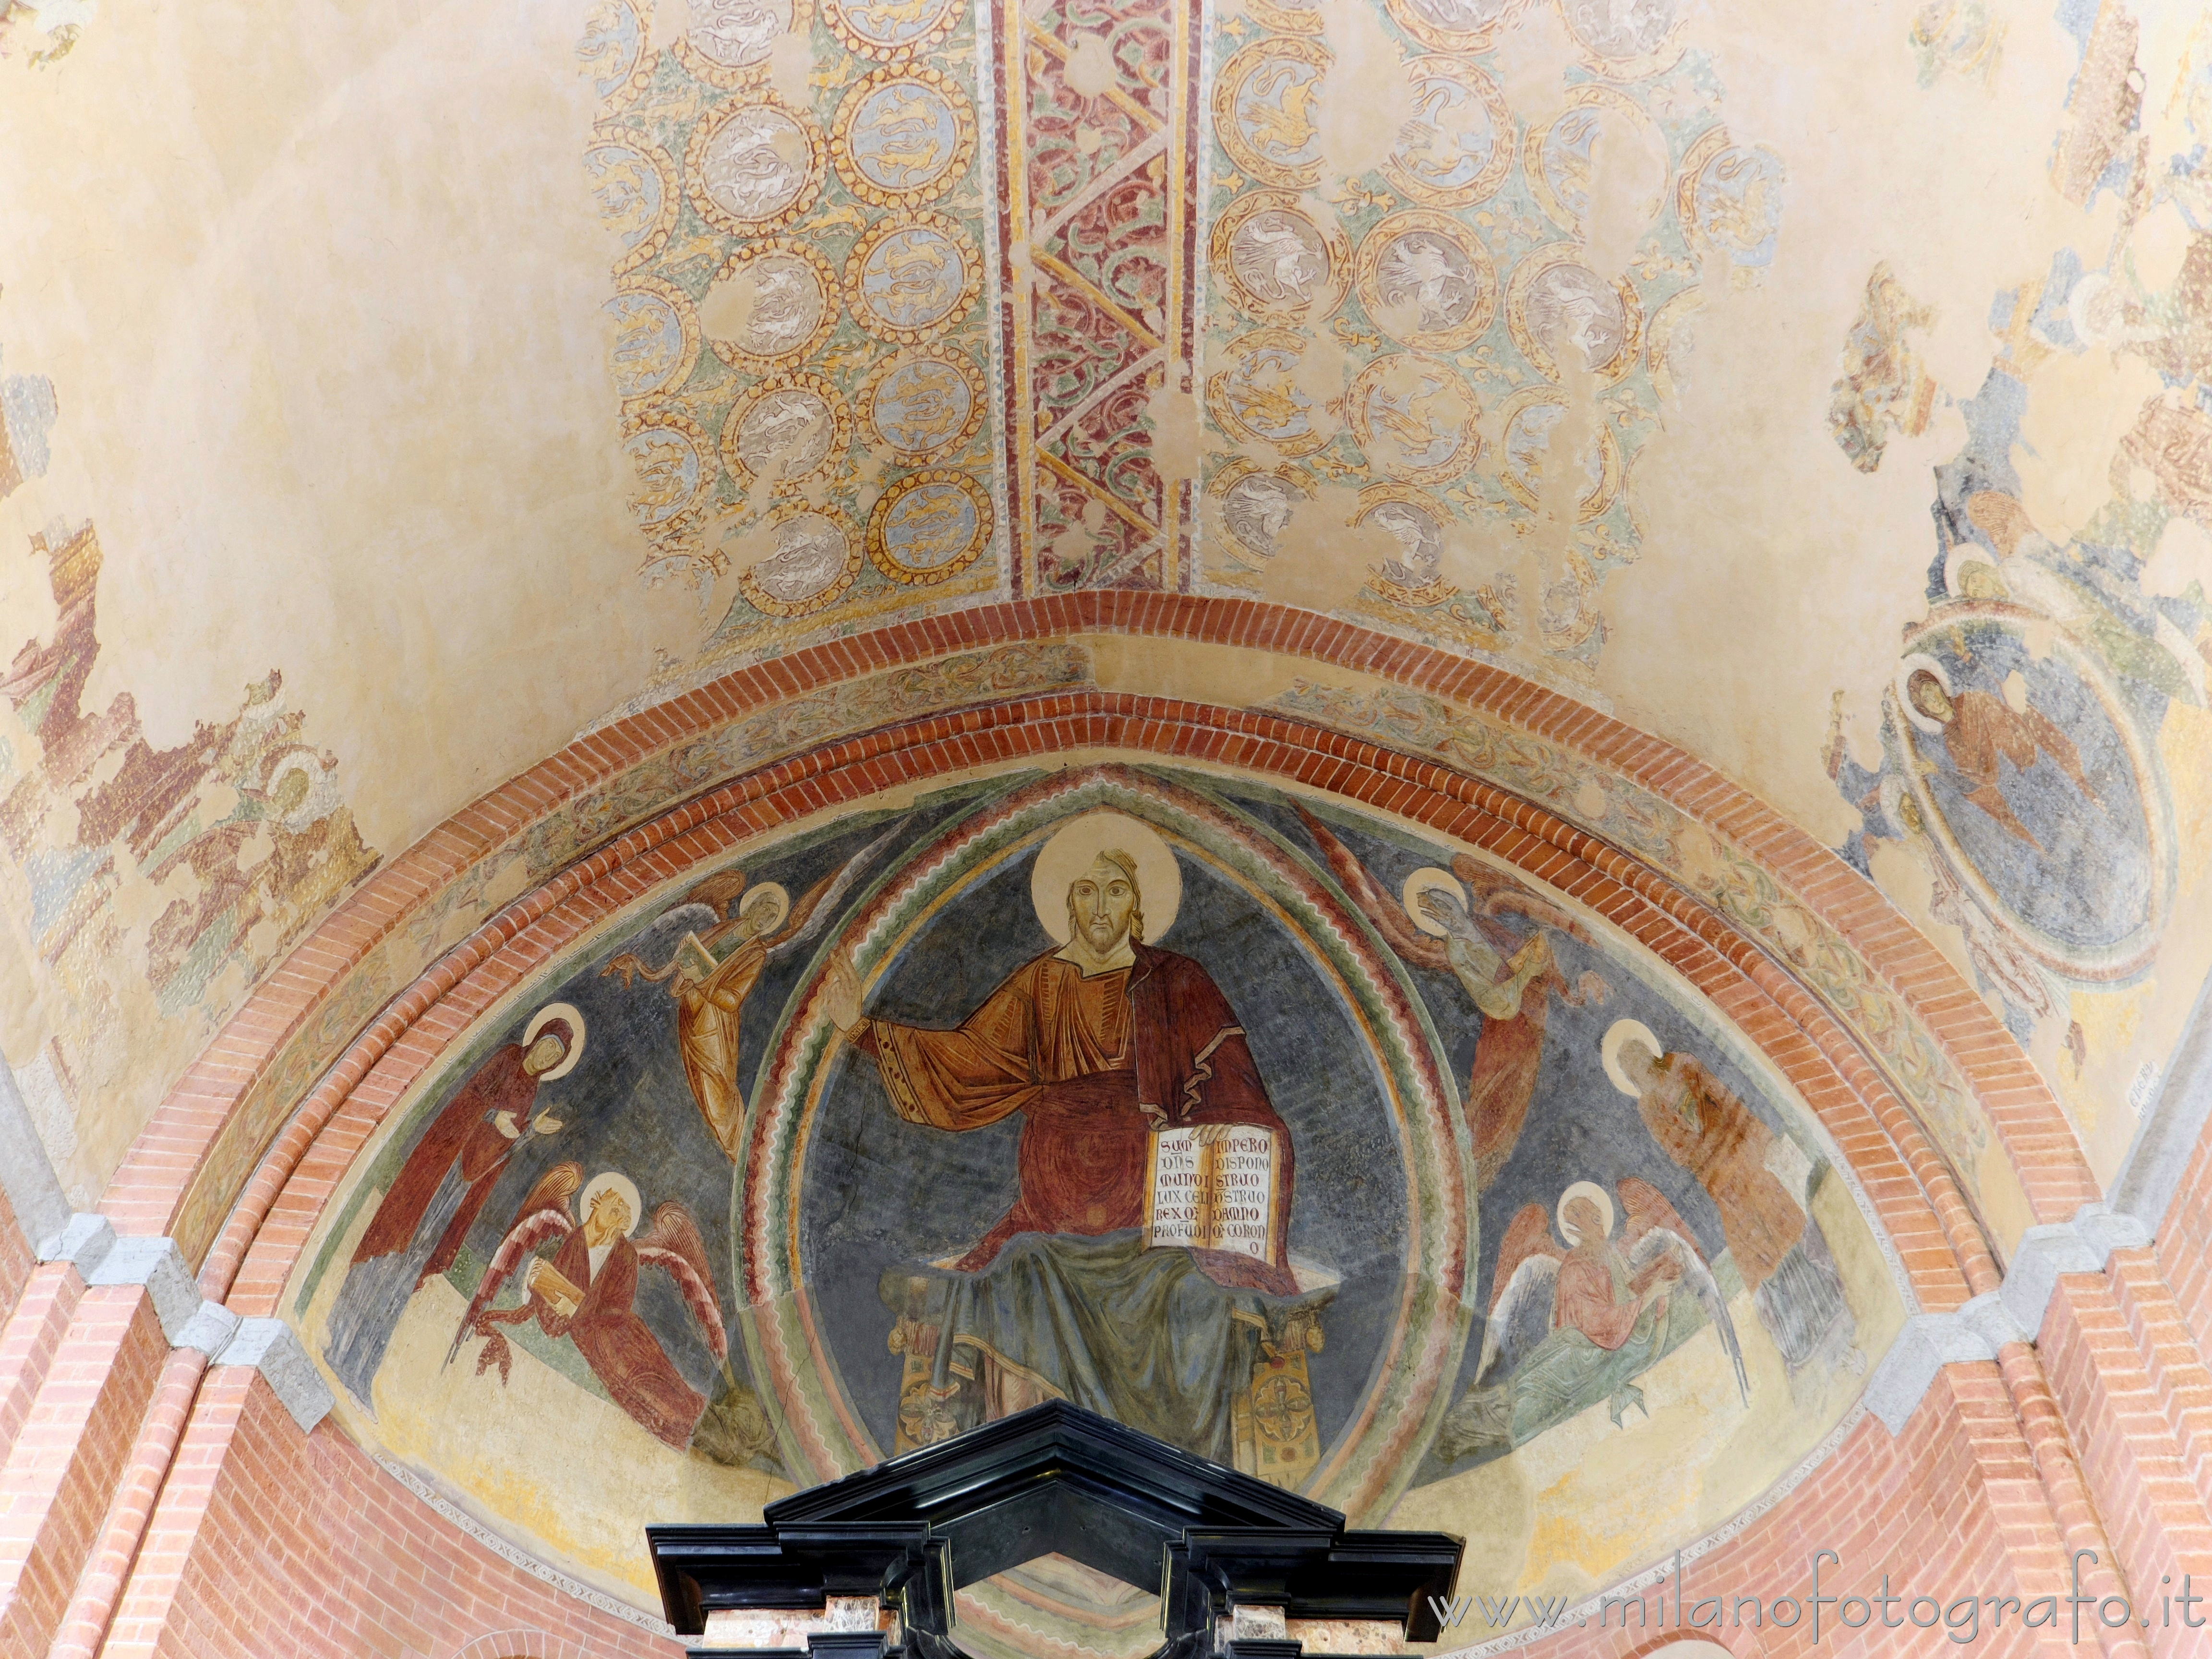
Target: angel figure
{"points": [[1572, 1325], [587, 1291], [731, 934], [1510, 977]]}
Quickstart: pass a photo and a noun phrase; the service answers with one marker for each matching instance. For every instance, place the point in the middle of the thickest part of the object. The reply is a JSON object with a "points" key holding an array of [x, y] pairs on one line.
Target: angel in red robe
{"points": [[1571, 1326], [418, 1229], [585, 1291], [1510, 977]]}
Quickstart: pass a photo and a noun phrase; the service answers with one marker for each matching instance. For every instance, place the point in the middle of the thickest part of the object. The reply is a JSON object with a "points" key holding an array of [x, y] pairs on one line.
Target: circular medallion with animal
{"points": [[773, 304]]}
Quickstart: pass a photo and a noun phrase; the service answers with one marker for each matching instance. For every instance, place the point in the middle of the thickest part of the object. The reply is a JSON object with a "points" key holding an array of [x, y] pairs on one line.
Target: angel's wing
{"points": [[1646, 1207], [544, 1215], [717, 890], [672, 1244], [1529, 1234], [1656, 1228], [1518, 1320], [1494, 892], [1415, 948], [820, 902]]}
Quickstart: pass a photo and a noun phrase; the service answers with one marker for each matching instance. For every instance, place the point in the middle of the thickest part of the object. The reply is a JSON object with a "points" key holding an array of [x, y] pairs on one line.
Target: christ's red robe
{"points": [[1095, 1064]]}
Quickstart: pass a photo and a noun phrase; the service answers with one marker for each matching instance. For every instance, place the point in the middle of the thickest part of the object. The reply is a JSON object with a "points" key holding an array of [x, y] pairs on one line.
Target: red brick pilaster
{"points": [[56, 1484]]}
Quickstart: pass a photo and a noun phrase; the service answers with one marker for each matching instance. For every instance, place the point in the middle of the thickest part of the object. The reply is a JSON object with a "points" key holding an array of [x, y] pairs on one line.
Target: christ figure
{"points": [[1097, 1046]]}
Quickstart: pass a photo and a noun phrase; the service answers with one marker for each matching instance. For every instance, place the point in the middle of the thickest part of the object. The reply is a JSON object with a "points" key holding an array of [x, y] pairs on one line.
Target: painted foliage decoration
{"points": [[1298, 1140], [917, 301]]}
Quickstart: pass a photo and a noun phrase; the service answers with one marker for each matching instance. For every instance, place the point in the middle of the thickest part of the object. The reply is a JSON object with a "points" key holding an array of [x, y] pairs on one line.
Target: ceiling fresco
{"points": [[1442, 1202], [915, 301], [1823, 393]]}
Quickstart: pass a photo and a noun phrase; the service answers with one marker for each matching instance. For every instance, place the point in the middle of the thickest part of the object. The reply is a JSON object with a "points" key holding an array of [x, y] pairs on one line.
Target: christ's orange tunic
{"points": [[1094, 1064]]}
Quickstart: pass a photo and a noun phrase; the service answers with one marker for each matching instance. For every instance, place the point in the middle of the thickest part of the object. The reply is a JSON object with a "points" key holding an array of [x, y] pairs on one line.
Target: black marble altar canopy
{"points": [[1060, 1480]]}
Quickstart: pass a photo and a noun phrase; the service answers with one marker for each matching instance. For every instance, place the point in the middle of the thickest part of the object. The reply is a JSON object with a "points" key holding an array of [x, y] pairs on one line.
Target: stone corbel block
{"points": [[2082, 1245], [83, 1242], [2013, 1314], [1927, 1344], [159, 1266], [269, 1347]]}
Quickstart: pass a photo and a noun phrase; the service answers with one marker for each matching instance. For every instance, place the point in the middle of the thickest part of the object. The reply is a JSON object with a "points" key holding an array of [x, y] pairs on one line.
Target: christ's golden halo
{"points": [[1071, 851]]}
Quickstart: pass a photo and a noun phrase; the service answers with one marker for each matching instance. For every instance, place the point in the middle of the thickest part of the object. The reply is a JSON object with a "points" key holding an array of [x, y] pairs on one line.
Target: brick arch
{"points": [[314, 1027], [1915, 1199]]}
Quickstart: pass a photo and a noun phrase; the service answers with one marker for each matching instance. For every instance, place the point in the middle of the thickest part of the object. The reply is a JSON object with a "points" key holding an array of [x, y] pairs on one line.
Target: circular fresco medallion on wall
{"points": [[656, 336], [927, 402], [1258, 396], [1728, 198], [929, 526], [1413, 417], [617, 52], [1276, 260], [674, 464], [1532, 417], [1625, 42], [1557, 307], [1263, 110], [903, 136], [1255, 506], [1456, 143], [780, 299], [1413, 575], [890, 30], [790, 427], [727, 43], [1463, 25], [1558, 157], [755, 164], [912, 276], [1427, 281], [634, 182], [817, 554], [2072, 853]]}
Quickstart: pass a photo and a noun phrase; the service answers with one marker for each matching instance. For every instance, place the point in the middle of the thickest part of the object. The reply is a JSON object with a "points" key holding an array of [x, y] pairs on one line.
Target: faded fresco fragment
{"points": [[1447, 339], [152, 884], [2043, 740], [1300, 1141]]}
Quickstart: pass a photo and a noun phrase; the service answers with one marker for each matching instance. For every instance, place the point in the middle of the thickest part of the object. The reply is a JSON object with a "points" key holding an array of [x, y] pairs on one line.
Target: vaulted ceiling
{"points": [[392, 392]]}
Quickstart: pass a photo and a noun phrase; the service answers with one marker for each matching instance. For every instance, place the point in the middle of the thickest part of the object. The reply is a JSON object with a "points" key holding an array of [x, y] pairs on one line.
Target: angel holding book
{"points": [[1454, 921], [734, 931], [586, 1292], [1570, 1327]]}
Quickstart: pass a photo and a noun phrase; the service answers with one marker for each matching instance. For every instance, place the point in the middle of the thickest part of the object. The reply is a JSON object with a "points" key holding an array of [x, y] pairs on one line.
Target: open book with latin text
{"points": [[1220, 1197]]}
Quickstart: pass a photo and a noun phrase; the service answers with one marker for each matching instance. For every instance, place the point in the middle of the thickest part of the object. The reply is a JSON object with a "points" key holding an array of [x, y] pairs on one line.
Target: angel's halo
{"points": [[1426, 880], [1597, 1195], [769, 892], [561, 1011], [1617, 1036]]}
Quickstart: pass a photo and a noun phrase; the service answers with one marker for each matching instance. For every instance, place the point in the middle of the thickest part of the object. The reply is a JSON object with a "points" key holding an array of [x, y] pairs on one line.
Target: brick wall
{"points": [[270, 1543], [16, 1258]]}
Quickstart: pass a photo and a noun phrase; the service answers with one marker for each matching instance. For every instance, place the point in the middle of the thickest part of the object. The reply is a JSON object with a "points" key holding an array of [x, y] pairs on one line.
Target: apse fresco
{"points": [[1316, 1147]]}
